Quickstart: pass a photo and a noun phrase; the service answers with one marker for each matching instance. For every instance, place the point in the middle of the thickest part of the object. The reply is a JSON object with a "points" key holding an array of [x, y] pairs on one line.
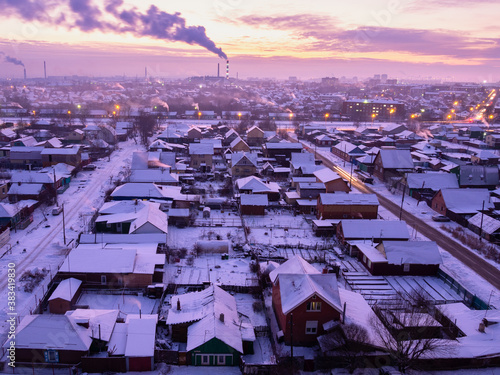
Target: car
{"points": [[57, 210], [89, 167], [440, 218]]}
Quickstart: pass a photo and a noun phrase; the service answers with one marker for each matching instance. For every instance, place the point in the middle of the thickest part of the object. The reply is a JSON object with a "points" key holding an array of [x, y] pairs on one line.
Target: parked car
{"points": [[57, 210], [89, 167], [440, 218]]}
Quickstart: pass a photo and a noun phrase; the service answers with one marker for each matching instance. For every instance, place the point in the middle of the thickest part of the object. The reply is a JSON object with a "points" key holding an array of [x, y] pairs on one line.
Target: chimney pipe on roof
{"points": [[221, 317], [178, 305]]}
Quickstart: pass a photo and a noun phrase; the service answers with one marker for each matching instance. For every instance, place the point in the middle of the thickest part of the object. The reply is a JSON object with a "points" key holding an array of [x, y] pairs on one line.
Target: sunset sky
{"points": [[309, 39]]}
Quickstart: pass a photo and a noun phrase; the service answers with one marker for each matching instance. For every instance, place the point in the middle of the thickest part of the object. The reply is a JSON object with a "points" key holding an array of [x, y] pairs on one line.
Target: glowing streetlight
{"points": [[79, 106], [117, 107], [199, 115], [455, 103], [326, 116], [34, 113], [239, 115], [291, 116], [373, 117]]}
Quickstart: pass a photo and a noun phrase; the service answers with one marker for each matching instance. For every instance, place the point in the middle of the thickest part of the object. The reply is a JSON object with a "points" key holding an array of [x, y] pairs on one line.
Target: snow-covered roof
{"points": [[201, 149], [297, 288], [489, 224], [371, 253], [25, 189], [348, 199], [254, 200], [141, 335], [326, 175], [61, 151], [396, 159], [8, 210], [284, 146], [235, 142], [238, 156], [146, 190], [432, 180], [294, 265], [256, 185], [101, 322], [411, 252], [466, 201], [153, 175], [66, 289], [44, 332], [81, 260], [367, 229]]}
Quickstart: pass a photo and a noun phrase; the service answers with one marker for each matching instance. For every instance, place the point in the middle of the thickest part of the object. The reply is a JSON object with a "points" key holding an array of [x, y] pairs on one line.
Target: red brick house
{"points": [[303, 301], [392, 163], [347, 206]]}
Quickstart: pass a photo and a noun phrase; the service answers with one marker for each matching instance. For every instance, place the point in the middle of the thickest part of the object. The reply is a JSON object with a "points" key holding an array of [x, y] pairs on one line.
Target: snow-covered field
{"points": [[43, 239]]}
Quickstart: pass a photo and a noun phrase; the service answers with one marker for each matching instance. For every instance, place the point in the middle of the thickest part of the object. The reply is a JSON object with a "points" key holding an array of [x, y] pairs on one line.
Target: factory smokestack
{"points": [[25, 74], [227, 69], [218, 70], [146, 72], [45, 69]]}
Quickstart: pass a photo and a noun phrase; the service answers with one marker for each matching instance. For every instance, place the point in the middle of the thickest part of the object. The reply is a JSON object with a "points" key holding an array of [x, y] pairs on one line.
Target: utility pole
{"points": [[350, 179], [64, 225], [55, 189], [402, 201], [291, 338], [481, 227]]}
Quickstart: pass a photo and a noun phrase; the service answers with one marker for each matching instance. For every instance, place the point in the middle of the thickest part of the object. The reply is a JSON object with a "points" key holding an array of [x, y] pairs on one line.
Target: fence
{"points": [[470, 299]]}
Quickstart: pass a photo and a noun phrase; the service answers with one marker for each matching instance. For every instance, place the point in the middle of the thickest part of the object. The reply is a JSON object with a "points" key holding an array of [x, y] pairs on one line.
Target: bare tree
{"points": [[408, 332], [145, 126]]}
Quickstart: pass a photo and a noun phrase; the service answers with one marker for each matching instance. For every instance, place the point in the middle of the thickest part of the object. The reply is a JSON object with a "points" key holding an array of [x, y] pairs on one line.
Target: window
{"points": [[205, 360], [364, 258], [221, 359], [103, 279], [313, 306], [369, 263], [311, 327], [406, 267]]}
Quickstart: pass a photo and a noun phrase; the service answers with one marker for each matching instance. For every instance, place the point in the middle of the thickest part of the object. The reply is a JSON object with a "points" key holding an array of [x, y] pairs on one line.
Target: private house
{"points": [[155, 176], [194, 133], [398, 258], [131, 217], [28, 141], [347, 151], [243, 164], [391, 129], [461, 204], [201, 156], [64, 297], [423, 186], [255, 136], [391, 163], [142, 160], [485, 226], [13, 214], [372, 231], [19, 192], [310, 190], [310, 298], [302, 164], [146, 191], [7, 135], [478, 176], [281, 151], [484, 157], [113, 266], [333, 182], [347, 206], [493, 141], [71, 156], [253, 204], [239, 144], [323, 140], [75, 136], [25, 157], [230, 136], [211, 326], [254, 185]]}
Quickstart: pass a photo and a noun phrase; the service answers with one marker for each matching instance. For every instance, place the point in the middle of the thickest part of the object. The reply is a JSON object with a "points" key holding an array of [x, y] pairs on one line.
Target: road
{"points": [[484, 269]]}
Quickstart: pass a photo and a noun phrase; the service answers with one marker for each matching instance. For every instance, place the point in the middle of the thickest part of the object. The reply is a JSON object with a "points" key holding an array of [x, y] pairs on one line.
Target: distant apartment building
{"points": [[373, 109]]}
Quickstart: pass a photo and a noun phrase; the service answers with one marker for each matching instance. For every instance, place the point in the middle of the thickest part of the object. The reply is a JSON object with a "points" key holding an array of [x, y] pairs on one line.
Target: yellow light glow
{"points": [[117, 107], [69, 112]]}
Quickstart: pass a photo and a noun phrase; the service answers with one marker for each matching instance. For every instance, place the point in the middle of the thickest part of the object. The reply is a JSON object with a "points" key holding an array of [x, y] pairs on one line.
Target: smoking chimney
{"points": [[221, 317], [45, 70], [218, 70], [25, 74], [178, 305], [227, 69], [146, 72]]}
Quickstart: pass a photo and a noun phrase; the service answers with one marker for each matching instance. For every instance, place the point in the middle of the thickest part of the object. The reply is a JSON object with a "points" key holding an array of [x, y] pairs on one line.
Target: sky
{"points": [[406, 39]]}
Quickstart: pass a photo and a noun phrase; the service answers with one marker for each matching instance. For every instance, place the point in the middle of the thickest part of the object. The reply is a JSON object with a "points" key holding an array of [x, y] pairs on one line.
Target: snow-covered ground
{"points": [[43, 239]]}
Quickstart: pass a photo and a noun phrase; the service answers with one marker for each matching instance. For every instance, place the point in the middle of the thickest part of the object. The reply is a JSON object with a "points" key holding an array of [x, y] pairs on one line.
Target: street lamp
{"points": [[326, 116], [391, 112], [239, 116], [199, 115], [373, 117]]}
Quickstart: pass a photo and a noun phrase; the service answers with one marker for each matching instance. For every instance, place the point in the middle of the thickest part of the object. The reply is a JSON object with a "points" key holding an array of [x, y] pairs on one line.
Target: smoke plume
{"points": [[11, 59], [87, 16]]}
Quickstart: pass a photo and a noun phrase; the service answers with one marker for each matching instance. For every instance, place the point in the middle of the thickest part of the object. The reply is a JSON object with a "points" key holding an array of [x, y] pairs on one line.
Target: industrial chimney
{"points": [[218, 70], [45, 70], [25, 74], [146, 72], [227, 69]]}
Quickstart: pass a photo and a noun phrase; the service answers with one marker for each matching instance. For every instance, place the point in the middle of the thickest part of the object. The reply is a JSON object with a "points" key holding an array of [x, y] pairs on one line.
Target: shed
{"points": [[64, 297]]}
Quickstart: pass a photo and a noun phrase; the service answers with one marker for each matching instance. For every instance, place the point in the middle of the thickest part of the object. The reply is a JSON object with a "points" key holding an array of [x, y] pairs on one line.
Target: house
{"points": [[411, 258], [254, 185], [28, 141], [38, 340], [201, 156], [113, 266], [75, 136], [281, 151], [194, 133], [484, 157], [146, 191], [485, 226], [243, 164], [493, 141], [391, 163], [372, 230], [347, 206], [310, 190], [156, 176], [12, 215], [323, 140], [210, 324], [131, 217], [25, 157], [255, 136], [230, 136], [392, 128], [7, 135], [71, 156], [347, 151], [332, 180], [310, 298], [478, 176], [19, 192], [253, 204], [302, 164], [461, 204], [425, 185], [64, 297], [239, 144]]}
